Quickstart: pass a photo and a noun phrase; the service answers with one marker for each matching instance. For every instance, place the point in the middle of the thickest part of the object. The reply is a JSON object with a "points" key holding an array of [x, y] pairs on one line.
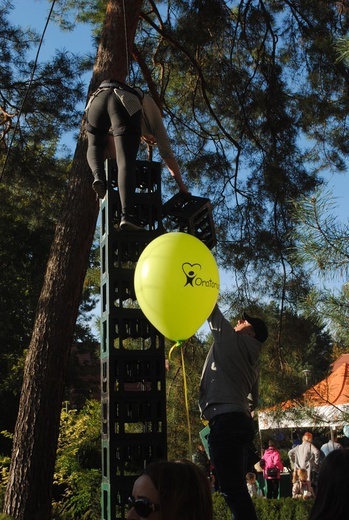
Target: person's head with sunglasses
{"points": [[171, 490]]}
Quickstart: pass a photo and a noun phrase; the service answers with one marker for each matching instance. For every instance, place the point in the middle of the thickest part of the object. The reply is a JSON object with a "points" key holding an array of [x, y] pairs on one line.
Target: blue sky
{"points": [[34, 13]]}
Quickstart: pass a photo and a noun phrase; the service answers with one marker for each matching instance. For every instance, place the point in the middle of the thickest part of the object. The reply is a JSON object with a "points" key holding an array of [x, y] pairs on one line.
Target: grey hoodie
{"points": [[230, 372]]}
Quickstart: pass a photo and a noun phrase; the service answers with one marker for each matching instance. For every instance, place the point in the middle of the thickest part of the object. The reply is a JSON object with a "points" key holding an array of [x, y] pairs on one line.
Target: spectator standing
{"points": [[272, 467], [296, 440], [332, 497], [306, 456], [331, 445]]}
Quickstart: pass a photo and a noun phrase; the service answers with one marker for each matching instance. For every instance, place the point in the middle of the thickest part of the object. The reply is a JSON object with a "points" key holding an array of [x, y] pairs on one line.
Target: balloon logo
{"points": [[177, 284]]}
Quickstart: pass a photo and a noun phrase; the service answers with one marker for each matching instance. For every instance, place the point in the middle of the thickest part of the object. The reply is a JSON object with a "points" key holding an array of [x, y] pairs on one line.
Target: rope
{"points": [[126, 40], [27, 91]]}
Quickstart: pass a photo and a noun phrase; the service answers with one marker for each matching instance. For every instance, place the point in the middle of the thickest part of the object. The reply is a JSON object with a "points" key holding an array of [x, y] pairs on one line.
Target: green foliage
{"points": [[246, 106], [80, 11], [77, 475], [282, 509], [28, 212], [33, 180], [296, 342], [4, 468], [77, 478], [322, 245], [220, 508], [26, 231], [194, 353]]}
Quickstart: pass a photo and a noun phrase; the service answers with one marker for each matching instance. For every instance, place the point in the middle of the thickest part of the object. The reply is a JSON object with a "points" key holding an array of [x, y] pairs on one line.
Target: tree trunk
{"points": [[28, 494]]}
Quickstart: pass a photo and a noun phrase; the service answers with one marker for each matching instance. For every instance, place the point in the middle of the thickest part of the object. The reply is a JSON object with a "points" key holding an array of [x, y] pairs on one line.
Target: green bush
{"points": [[220, 508], [77, 478], [4, 468], [282, 509]]}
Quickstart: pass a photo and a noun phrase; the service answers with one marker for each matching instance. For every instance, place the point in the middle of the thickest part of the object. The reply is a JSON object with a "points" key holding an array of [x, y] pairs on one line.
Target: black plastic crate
{"points": [[191, 215]]}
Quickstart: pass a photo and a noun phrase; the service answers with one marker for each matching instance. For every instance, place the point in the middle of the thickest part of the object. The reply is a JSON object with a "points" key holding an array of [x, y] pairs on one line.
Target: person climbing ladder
{"points": [[130, 114]]}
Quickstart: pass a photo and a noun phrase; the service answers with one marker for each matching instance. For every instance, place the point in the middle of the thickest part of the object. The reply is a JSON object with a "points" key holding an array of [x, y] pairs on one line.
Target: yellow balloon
{"points": [[176, 284]]}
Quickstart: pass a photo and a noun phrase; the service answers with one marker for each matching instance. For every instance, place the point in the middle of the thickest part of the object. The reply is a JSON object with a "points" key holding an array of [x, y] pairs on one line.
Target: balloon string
{"points": [[179, 344], [186, 403]]}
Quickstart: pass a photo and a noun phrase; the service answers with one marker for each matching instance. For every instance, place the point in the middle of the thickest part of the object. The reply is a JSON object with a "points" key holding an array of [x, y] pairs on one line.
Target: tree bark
{"points": [[28, 494]]}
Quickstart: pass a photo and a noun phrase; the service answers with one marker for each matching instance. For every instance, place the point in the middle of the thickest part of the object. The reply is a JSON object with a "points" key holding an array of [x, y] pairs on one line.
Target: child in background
{"points": [[252, 485], [301, 485]]}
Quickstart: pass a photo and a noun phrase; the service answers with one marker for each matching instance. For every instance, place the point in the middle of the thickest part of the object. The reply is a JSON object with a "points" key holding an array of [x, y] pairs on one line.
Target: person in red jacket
{"points": [[272, 467]]}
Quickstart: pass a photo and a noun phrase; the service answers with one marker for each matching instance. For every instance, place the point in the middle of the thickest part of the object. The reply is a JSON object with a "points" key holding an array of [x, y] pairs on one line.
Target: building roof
{"points": [[344, 358], [325, 403]]}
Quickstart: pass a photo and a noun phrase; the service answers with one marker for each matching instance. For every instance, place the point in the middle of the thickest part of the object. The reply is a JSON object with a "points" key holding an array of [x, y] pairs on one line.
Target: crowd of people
{"points": [[181, 490], [227, 397]]}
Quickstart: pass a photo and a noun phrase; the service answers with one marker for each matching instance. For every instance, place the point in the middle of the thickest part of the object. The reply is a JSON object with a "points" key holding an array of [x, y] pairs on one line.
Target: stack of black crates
{"points": [[133, 376], [134, 430]]}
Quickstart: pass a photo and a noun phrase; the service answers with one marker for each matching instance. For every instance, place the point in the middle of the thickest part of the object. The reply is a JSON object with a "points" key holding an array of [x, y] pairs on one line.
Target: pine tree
{"points": [[28, 495], [256, 103], [322, 244]]}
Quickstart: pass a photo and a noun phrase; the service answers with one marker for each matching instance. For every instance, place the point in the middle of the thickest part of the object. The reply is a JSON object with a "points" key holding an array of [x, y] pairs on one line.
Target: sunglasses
{"points": [[143, 506]]}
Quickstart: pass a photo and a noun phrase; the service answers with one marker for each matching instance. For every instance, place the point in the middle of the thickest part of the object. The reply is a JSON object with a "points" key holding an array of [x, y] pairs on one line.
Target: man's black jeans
{"points": [[229, 435], [273, 487]]}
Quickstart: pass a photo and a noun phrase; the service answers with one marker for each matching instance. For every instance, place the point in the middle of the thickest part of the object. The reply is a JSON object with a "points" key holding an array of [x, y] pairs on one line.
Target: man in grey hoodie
{"points": [[228, 392]]}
